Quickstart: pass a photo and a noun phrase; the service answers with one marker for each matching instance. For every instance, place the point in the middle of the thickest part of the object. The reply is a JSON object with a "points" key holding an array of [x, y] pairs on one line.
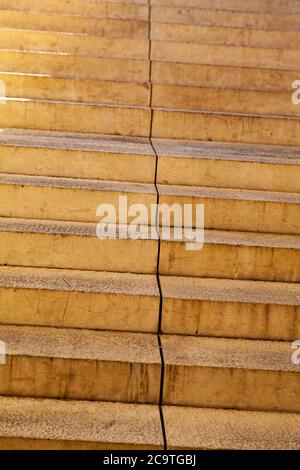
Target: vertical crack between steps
{"points": [[159, 329]]}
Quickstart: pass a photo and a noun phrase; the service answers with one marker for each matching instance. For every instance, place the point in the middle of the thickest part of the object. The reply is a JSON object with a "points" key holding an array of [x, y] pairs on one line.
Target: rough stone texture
{"points": [[90, 422], [228, 429], [72, 183]]}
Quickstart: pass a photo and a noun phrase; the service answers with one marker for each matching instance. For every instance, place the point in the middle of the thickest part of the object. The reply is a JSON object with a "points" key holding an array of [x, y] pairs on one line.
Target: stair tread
{"points": [[221, 237], [77, 183], [228, 353], [230, 429], [80, 344], [81, 44], [84, 229], [138, 8], [78, 281], [72, 23], [226, 193], [76, 141], [113, 423], [230, 290]]}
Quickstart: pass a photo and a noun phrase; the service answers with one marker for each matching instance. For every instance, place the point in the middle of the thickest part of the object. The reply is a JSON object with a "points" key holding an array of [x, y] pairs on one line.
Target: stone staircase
{"points": [[141, 344]]}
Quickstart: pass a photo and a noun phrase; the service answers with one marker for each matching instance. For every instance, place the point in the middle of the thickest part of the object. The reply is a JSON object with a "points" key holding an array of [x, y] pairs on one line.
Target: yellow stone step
{"points": [[243, 37], [221, 76], [235, 255], [230, 308], [79, 299], [228, 101], [78, 425], [215, 164], [268, 6], [228, 209], [37, 87], [85, 156], [215, 429], [75, 117], [193, 53], [226, 127], [79, 44], [39, 21], [74, 66], [80, 364], [26, 242], [68, 199], [124, 10], [230, 373], [209, 17]]}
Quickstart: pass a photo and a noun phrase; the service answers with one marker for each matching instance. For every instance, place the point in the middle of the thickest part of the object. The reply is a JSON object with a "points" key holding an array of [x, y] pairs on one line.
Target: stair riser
{"points": [[221, 388], [224, 36], [34, 202], [95, 311], [226, 128], [228, 174], [249, 216], [63, 117], [231, 319], [267, 6], [227, 101], [283, 22], [72, 24], [16, 443], [32, 249], [238, 78], [62, 378], [231, 262], [81, 7], [74, 66], [224, 55], [74, 44], [77, 164], [46, 88]]}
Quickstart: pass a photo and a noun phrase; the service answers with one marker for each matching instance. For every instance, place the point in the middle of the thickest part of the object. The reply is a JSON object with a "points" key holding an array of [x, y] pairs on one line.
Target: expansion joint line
{"points": [[159, 330]]}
